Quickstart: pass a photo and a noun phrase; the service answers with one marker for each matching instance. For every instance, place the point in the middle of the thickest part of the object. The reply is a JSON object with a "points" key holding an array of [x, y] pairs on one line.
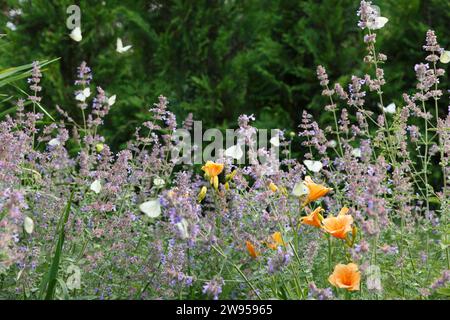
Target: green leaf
{"points": [[444, 291], [50, 280]]}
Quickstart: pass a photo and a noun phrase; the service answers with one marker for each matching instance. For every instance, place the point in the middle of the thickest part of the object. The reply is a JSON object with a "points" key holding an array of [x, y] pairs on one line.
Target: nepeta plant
{"points": [[361, 216]]}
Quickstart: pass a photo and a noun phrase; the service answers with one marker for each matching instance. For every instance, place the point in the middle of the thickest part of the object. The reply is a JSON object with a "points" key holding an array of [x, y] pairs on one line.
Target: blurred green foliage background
{"points": [[215, 58]]}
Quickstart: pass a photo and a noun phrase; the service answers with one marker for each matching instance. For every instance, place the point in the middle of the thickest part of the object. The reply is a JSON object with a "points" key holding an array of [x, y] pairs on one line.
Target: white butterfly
{"points": [[390, 108], [151, 208], [275, 141], [11, 26], [82, 95], [332, 143], [234, 152], [300, 189], [120, 48], [54, 142], [314, 166], [158, 182], [378, 23], [111, 100], [183, 228], [96, 186], [74, 280], [356, 152], [76, 34], [445, 57], [28, 225]]}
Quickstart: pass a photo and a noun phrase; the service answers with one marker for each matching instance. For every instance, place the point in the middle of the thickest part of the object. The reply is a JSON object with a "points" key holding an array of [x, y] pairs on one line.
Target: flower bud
{"points": [[202, 194]]}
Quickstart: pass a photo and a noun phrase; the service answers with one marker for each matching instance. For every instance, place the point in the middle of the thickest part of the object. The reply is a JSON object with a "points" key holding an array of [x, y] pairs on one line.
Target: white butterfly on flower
{"points": [[314, 166], [356, 152], [300, 189], [158, 182], [183, 228], [445, 57], [275, 141], [54, 142], [391, 108], [96, 186], [76, 34], [332, 143], [234, 152], [120, 48], [83, 94], [378, 21], [151, 208], [28, 225], [74, 280], [112, 100]]}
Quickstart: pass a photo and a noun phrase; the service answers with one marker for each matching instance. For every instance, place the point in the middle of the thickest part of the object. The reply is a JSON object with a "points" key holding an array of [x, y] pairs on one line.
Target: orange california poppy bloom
{"points": [[251, 249], [315, 191], [314, 218], [340, 225], [346, 277], [276, 239]]}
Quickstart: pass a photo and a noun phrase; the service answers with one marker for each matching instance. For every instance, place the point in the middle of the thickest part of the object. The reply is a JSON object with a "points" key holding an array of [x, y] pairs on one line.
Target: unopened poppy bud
{"points": [[202, 194], [216, 182], [273, 187], [227, 186], [354, 233], [351, 242], [99, 147], [292, 134]]}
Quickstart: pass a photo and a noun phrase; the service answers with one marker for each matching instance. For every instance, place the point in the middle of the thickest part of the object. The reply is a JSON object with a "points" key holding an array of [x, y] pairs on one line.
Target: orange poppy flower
{"points": [[314, 218], [315, 191], [212, 171], [276, 239], [340, 225], [251, 249], [346, 277]]}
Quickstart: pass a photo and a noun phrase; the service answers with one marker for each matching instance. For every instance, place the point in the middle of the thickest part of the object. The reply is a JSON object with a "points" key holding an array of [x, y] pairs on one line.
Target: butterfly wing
{"points": [[80, 97], [87, 92], [119, 45], [445, 57], [390, 108], [126, 48], [314, 166], [76, 34], [111, 100]]}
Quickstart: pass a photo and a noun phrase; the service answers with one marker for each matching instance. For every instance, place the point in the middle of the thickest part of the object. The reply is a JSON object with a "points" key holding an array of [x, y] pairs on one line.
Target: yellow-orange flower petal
{"points": [[338, 226], [314, 218], [346, 277], [213, 169], [273, 187], [276, 239], [316, 191], [344, 211], [251, 249]]}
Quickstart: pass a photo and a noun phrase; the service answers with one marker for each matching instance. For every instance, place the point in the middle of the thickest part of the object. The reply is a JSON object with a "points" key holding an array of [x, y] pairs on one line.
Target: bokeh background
{"points": [[215, 58]]}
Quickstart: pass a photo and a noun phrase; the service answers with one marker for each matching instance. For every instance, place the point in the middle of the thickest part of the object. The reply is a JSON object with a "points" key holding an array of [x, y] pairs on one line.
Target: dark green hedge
{"points": [[214, 58]]}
